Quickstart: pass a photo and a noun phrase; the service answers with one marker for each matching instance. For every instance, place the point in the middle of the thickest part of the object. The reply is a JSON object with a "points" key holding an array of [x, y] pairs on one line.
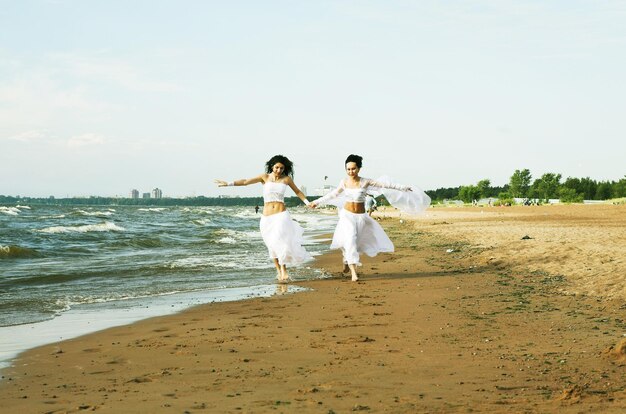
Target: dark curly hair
{"points": [[280, 159], [357, 159]]}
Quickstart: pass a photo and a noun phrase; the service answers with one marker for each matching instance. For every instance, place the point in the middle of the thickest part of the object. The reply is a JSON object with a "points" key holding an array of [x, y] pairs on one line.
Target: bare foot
{"points": [[355, 276], [284, 276]]}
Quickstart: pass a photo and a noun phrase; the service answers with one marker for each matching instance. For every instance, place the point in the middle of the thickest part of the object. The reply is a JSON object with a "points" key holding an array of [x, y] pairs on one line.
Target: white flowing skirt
{"points": [[359, 233], [283, 238]]}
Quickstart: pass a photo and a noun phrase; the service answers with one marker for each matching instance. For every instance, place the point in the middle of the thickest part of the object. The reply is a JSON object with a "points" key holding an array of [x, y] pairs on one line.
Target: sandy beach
{"points": [[480, 309]]}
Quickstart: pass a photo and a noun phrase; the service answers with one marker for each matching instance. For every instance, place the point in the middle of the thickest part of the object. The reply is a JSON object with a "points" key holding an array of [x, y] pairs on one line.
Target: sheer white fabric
{"points": [[284, 238], [274, 192], [415, 201]]}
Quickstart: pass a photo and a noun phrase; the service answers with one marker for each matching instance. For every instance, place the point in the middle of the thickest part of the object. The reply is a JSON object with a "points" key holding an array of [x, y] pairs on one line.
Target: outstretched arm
{"points": [[323, 200], [242, 182], [399, 187], [297, 191]]}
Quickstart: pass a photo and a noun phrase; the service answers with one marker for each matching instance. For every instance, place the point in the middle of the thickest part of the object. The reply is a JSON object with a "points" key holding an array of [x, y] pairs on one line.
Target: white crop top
{"points": [[357, 195], [274, 192]]}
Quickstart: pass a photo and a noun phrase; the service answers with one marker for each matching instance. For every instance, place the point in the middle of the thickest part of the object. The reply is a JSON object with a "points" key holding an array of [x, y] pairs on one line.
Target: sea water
{"points": [[66, 270]]}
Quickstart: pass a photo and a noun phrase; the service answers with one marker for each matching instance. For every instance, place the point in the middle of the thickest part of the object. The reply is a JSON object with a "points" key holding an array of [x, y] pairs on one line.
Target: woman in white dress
{"points": [[281, 234], [356, 231]]}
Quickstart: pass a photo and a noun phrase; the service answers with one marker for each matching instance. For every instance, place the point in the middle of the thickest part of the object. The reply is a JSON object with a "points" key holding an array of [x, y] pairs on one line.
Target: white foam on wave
{"points": [[239, 235], [155, 209], [245, 214], [106, 226], [227, 240], [53, 217], [11, 211], [242, 260], [202, 222], [199, 210], [95, 213], [25, 207]]}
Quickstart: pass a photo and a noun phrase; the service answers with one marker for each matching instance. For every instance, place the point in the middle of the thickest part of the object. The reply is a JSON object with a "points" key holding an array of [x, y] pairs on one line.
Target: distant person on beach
{"points": [[356, 231], [256, 209], [281, 234], [370, 204]]}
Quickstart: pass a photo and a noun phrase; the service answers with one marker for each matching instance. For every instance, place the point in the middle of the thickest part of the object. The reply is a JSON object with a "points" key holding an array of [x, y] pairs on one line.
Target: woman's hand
{"points": [[221, 183], [312, 205]]}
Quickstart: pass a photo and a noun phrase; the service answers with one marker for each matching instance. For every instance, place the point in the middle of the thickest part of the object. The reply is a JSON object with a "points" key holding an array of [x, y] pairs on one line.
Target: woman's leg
{"points": [[279, 273], [355, 276]]}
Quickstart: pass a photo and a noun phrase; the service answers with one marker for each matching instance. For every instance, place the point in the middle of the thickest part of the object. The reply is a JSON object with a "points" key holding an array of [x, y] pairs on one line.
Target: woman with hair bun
{"points": [[356, 231], [281, 234]]}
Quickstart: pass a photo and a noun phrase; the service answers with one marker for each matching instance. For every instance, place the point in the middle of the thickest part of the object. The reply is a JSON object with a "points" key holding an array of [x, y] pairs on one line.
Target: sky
{"points": [[101, 97]]}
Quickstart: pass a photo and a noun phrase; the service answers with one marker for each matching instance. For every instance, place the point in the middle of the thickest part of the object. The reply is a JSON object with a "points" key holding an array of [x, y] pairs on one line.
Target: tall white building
{"points": [[157, 193], [134, 194]]}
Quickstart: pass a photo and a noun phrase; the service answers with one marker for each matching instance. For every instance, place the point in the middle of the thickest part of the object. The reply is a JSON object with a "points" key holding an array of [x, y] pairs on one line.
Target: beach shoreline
{"points": [[453, 321]]}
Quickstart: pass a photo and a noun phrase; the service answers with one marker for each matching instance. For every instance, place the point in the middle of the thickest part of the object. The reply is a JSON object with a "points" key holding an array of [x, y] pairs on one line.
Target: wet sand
{"points": [[468, 315]]}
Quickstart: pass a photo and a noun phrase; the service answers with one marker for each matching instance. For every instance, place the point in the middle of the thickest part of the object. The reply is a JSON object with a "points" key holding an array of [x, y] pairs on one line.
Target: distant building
{"points": [[322, 191], [134, 194], [157, 193], [145, 195]]}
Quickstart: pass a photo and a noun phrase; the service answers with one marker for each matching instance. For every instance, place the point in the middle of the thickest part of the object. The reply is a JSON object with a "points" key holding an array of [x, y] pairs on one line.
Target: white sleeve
{"points": [[386, 184], [334, 193]]}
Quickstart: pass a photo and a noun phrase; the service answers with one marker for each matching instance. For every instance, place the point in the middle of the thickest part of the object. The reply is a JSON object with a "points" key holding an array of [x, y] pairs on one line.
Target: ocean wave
{"points": [[199, 210], [227, 240], [146, 243], [245, 214], [202, 222], [106, 226], [95, 213], [238, 234], [155, 209], [26, 207], [11, 211], [58, 216], [17, 252], [220, 262]]}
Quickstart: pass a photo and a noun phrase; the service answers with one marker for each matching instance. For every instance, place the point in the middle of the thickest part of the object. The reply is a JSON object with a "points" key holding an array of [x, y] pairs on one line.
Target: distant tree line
{"points": [[548, 186]]}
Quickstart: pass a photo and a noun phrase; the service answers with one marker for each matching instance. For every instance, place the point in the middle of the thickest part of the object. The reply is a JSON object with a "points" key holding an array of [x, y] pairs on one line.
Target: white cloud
{"points": [[85, 140], [28, 136]]}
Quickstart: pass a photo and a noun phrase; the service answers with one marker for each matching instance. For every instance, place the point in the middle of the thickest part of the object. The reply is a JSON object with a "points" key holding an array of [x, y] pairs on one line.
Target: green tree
{"points": [[484, 186], [547, 186], [569, 195], [619, 188], [588, 188], [519, 183], [604, 191], [469, 193]]}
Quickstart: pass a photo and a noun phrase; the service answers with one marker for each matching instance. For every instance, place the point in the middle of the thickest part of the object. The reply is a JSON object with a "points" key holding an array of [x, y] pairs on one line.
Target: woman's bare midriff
{"points": [[273, 207], [353, 207]]}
